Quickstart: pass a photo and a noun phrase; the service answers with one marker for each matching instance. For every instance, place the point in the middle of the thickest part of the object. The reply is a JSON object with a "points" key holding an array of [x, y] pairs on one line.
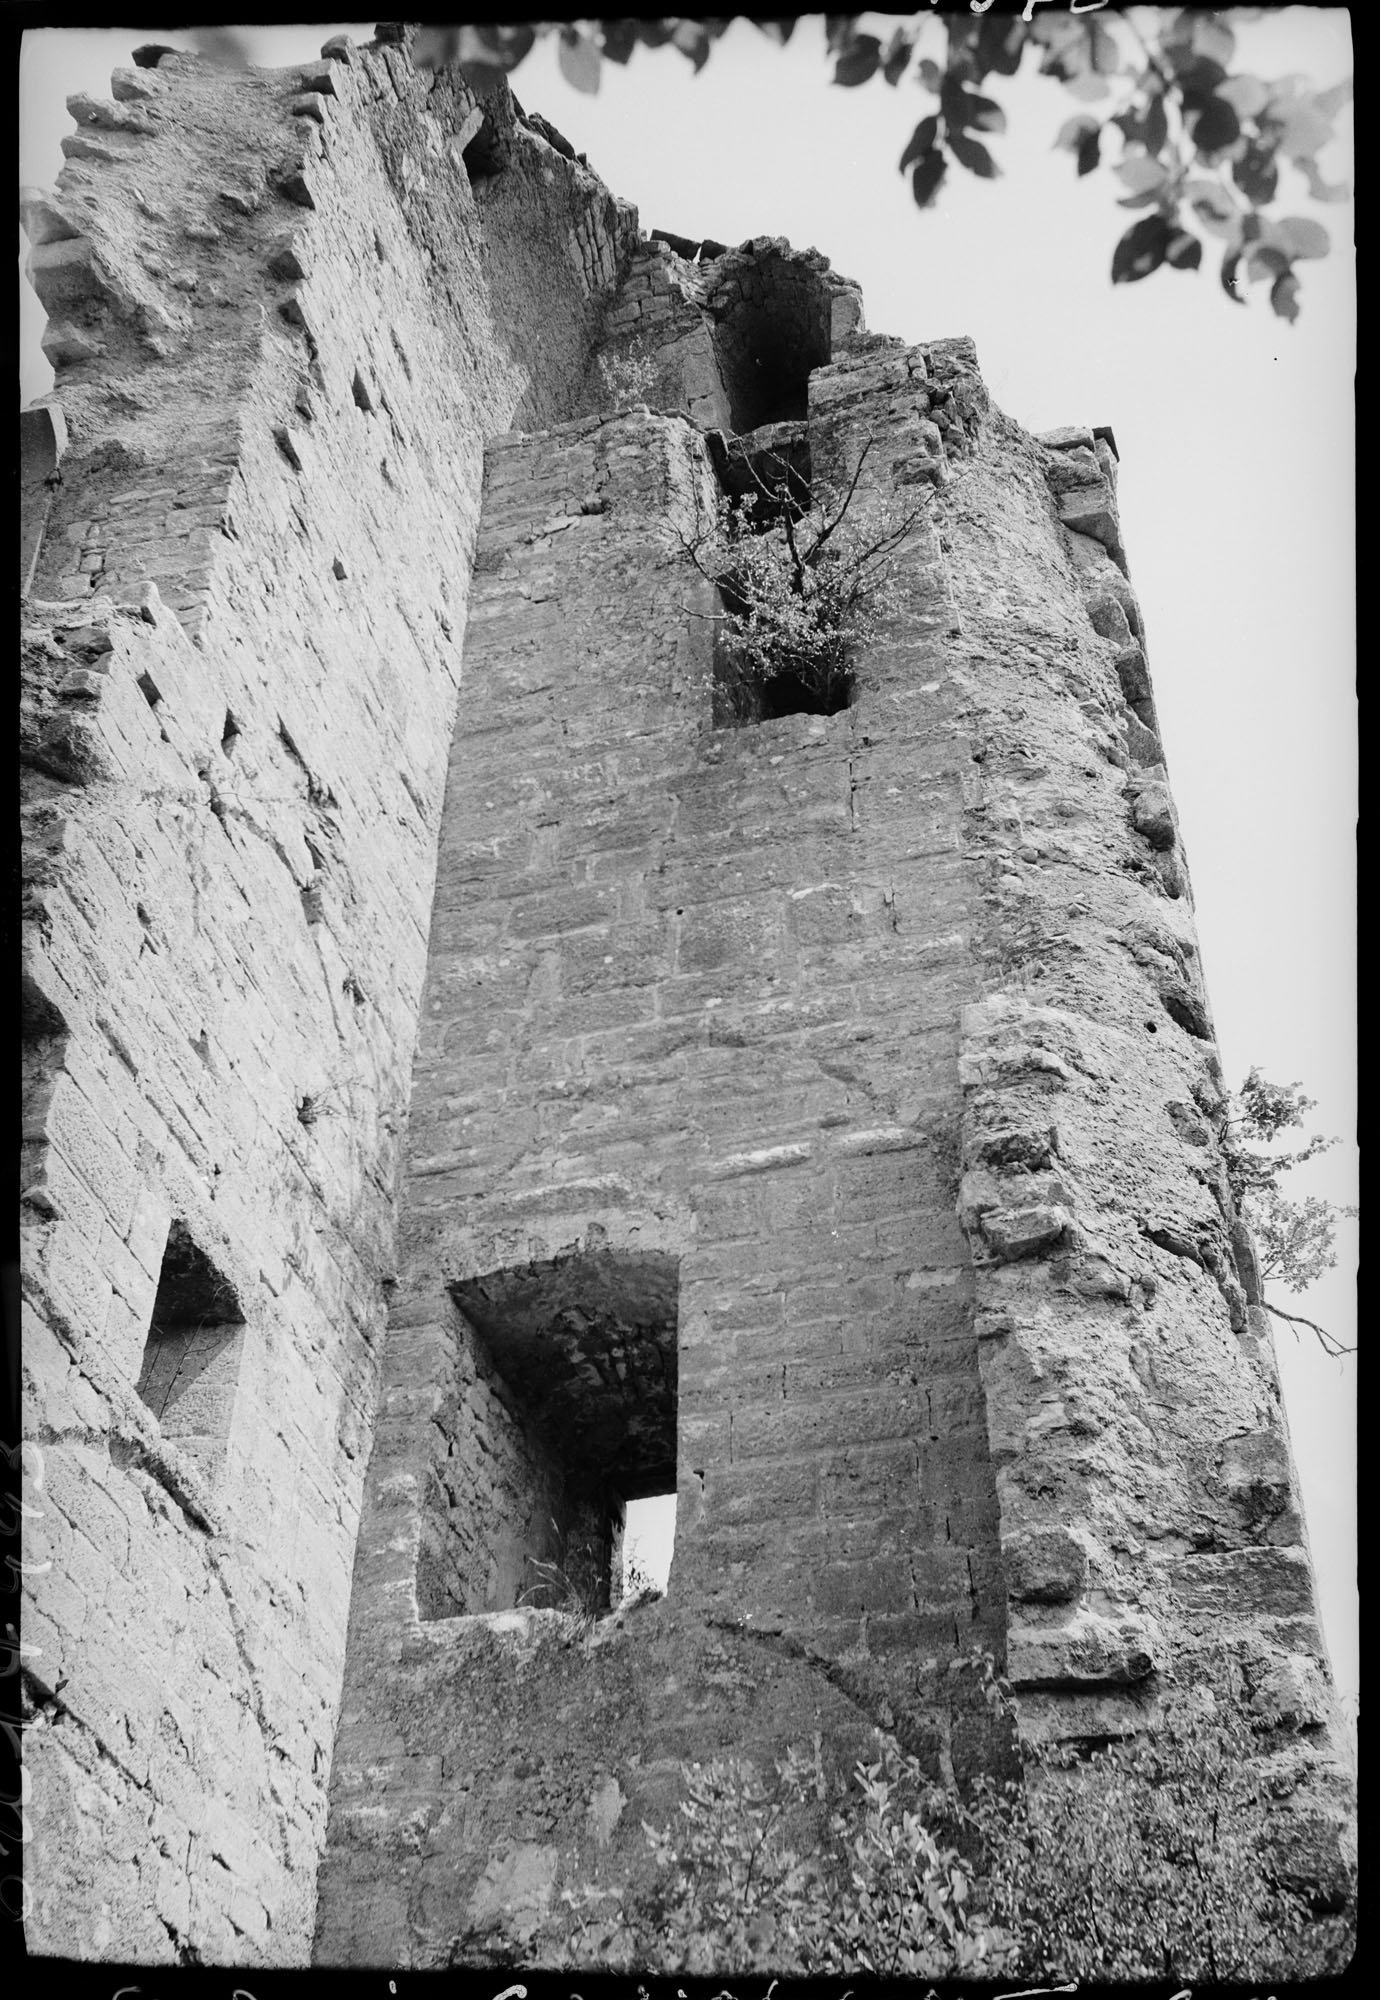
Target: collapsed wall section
{"points": [[281, 340]]}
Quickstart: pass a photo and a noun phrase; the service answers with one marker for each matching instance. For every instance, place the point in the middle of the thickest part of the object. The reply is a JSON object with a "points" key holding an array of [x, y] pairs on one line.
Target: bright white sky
{"points": [[1235, 431]]}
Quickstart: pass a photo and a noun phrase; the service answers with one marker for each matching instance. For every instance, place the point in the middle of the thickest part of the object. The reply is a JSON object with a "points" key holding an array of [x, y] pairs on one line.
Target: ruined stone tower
{"points": [[474, 1080]]}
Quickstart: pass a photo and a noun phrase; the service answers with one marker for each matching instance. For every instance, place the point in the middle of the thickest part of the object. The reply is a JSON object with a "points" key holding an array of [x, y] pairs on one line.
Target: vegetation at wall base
{"points": [[1154, 1861]]}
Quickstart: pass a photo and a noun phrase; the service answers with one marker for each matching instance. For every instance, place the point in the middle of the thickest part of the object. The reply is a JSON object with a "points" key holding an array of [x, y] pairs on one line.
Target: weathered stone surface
{"points": [[1089, 1650], [457, 1106], [1023, 1232], [1152, 813], [297, 748], [1088, 509], [1275, 1583], [110, 117], [1045, 1565], [514, 1893]]}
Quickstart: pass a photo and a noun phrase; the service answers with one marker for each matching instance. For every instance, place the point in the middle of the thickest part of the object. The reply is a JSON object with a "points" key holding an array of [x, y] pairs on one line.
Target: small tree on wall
{"points": [[802, 583], [1296, 1240]]}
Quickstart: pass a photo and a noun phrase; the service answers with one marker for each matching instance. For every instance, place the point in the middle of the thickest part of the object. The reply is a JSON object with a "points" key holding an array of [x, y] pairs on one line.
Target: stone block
{"points": [[1013, 1233], [1152, 814], [1247, 1583], [66, 1278], [1087, 1650], [515, 1890], [66, 273], [1292, 1692], [1045, 1565], [1255, 1473], [847, 1590], [1091, 510]]}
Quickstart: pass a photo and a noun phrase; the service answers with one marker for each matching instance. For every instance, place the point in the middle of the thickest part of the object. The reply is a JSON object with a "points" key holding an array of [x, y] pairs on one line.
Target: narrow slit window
{"points": [[190, 1372]]}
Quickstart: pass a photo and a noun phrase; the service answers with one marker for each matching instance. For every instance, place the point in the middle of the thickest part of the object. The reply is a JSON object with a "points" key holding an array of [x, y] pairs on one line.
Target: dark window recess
{"points": [[481, 156], [572, 1415], [487, 152], [767, 339], [190, 1372], [741, 698], [771, 465], [770, 468], [765, 358], [790, 694]]}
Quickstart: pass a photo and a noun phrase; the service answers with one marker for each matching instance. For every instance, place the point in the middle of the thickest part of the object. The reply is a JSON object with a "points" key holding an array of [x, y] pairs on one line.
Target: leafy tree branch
{"points": [[1295, 1240], [801, 583], [1206, 147]]}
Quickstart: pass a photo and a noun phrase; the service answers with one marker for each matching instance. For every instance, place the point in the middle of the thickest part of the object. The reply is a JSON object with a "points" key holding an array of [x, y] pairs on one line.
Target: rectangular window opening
{"points": [[751, 686], [559, 1436], [780, 637], [189, 1376]]}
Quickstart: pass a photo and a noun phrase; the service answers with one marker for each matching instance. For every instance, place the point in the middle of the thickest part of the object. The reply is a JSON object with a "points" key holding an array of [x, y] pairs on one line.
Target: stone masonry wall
{"points": [[279, 350], [726, 337], [759, 995], [1149, 1511], [499, 1503], [818, 1113], [694, 991]]}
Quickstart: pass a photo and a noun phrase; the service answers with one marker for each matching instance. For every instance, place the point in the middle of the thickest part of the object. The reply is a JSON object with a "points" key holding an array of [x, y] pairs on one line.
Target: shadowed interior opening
{"points": [[564, 1412], [190, 1369], [772, 319]]}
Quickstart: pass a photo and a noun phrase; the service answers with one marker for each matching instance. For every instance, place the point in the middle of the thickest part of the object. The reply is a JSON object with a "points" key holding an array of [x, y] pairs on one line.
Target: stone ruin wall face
{"points": [[280, 349], [816, 1116]]}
